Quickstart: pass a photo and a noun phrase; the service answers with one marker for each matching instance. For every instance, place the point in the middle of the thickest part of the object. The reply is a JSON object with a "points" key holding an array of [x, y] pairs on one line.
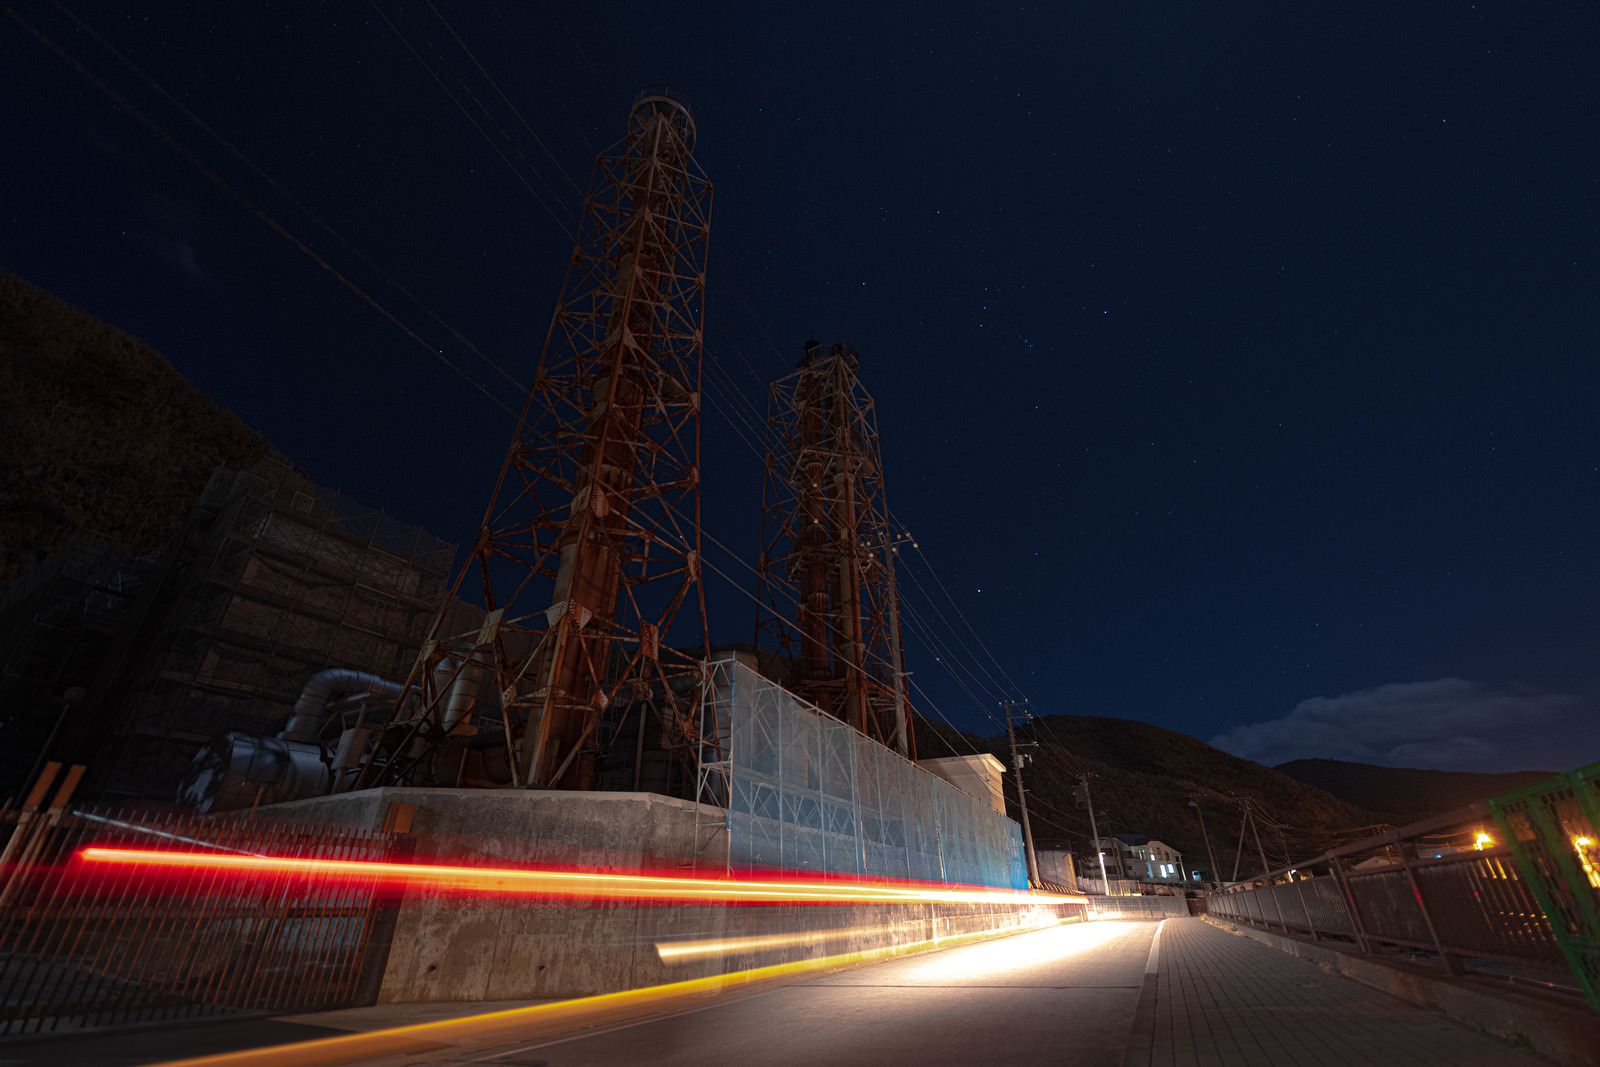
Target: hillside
{"points": [[1141, 779], [1406, 794], [98, 432]]}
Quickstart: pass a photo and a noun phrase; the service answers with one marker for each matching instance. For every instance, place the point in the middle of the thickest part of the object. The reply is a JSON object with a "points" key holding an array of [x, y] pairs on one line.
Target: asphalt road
{"points": [[1066, 994]]}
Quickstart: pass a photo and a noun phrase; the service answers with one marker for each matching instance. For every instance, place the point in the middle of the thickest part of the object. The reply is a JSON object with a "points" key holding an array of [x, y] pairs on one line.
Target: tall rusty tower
{"points": [[827, 555], [590, 544]]}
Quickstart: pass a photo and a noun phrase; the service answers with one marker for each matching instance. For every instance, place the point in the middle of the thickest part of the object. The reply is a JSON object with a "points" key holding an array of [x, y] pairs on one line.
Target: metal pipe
{"points": [[321, 690]]}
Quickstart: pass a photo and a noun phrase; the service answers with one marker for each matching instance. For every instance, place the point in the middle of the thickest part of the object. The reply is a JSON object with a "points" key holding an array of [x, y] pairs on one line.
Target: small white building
{"points": [[1141, 858], [977, 776]]}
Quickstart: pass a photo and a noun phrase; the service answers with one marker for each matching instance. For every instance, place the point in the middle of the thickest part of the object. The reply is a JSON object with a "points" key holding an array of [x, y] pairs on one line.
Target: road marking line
{"points": [[1155, 950]]}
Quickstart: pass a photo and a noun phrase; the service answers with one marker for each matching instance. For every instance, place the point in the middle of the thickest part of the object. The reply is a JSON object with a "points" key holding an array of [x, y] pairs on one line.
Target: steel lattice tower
{"points": [[826, 562], [590, 543]]}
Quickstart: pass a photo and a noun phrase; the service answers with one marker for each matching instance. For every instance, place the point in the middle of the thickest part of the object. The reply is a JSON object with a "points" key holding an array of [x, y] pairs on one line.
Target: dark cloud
{"points": [[1446, 724]]}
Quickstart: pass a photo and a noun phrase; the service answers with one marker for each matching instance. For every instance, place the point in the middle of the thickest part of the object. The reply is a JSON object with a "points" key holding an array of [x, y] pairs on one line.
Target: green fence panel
{"points": [[1553, 829]]}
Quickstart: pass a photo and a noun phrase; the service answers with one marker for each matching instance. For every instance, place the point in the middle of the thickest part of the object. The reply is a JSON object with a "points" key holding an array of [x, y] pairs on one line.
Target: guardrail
{"points": [[1476, 884], [80, 947], [1163, 907]]}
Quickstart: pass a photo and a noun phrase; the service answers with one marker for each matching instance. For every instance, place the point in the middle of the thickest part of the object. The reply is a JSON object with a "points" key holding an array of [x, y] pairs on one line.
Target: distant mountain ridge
{"points": [[1405, 794]]}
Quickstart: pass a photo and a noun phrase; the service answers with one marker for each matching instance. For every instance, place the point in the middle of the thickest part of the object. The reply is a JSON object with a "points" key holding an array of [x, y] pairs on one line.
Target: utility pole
{"points": [[1022, 794], [1238, 853], [1249, 822], [1083, 794], [1194, 802], [901, 743]]}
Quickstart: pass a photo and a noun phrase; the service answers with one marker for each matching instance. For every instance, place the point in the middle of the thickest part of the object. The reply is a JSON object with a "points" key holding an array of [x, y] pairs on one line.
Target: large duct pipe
{"points": [[323, 688], [462, 694], [238, 771]]}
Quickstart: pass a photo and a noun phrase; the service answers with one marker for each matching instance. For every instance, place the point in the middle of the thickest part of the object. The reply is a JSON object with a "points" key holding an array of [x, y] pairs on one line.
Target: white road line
{"points": [[1155, 950]]}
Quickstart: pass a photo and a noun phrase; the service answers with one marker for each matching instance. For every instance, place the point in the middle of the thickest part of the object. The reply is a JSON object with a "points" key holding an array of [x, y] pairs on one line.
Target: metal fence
{"points": [[1152, 907], [83, 945], [1553, 829], [807, 792], [1447, 886]]}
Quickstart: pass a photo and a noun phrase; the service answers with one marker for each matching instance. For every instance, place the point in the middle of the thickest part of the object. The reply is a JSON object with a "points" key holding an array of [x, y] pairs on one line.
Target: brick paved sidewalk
{"points": [[1220, 999]]}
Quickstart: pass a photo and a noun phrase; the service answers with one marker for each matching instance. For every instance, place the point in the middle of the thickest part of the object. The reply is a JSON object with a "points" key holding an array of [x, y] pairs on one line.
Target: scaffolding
{"points": [[270, 580], [807, 793], [58, 625]]}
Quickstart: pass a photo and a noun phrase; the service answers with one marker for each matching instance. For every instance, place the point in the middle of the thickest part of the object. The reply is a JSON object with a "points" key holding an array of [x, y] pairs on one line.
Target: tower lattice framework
{"points": [[826, 588], [590, 545]]}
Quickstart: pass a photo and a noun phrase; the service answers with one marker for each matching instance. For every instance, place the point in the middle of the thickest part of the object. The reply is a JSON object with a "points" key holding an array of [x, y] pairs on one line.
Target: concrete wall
{"points": [[594, 831], [499, 949], [508, 953]]}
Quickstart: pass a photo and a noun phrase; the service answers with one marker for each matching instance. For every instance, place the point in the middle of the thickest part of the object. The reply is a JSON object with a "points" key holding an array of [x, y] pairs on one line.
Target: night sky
{"points": [[1236, 364]]}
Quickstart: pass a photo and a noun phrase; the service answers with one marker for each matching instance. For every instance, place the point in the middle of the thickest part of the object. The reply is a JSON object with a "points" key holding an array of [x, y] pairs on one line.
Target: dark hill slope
{"points": [[97, 432], [1406, 794], [1142, 778]]}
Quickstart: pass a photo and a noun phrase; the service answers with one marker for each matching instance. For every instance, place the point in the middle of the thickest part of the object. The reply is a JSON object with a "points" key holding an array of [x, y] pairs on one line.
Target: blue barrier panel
{"points": [[809, 793]]}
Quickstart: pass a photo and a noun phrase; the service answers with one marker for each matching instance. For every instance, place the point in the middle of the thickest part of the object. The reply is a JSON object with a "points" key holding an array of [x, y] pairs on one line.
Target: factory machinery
{"points": [[589, 548]]}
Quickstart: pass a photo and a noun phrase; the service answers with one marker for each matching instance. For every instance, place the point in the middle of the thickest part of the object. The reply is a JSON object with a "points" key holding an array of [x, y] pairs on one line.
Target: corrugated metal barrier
{"points": [[806, 792]]}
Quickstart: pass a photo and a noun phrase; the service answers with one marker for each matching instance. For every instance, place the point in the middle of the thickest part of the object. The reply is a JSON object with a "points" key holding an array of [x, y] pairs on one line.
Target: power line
{"points": [[745, 414], [277, 227], [286, 194], [564, 225], [508, 103]]}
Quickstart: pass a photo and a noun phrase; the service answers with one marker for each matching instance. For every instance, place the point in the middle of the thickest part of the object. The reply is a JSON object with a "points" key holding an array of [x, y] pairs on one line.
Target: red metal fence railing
{"points": [[83, 945]]}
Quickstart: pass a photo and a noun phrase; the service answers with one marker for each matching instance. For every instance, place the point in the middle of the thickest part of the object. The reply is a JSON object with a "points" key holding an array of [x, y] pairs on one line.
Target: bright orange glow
{"points": [[515, 881], [1584, 847], [1483, 841]]}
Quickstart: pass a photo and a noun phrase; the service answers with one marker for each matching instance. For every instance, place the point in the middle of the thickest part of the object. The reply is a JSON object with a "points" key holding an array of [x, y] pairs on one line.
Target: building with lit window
{"points": [[1141, 858]]}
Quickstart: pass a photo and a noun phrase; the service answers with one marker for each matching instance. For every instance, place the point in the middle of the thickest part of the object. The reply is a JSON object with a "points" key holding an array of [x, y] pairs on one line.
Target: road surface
{"points": [[1066, 994]]}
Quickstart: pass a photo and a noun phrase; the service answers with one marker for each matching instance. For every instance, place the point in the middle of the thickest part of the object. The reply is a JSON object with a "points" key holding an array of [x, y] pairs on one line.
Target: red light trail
{"points": [[516, 881]]}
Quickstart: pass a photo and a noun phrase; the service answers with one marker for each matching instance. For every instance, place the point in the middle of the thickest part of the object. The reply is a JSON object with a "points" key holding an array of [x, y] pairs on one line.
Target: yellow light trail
{"points": [[540, 1020], [673, 952]]}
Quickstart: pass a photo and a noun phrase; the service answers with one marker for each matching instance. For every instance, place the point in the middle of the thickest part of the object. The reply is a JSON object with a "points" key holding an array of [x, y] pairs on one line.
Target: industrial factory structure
{"points": [[333, 661]]}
